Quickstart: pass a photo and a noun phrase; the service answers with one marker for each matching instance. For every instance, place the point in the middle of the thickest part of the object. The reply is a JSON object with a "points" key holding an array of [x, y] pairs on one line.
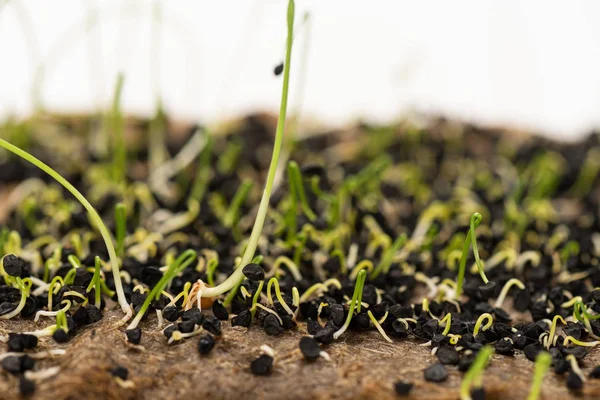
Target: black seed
{"points": [[403, 388], [312, 326], [278, 69], [436, 373], [193, 314], [595, 373], [93, 313], [263, 365], [578, 351], [488, 290], [60, 336], [120, 372], [171, 313], [213, 325], [185, 326], [336, 314], [150, 276], [272, 326], [505, 347], [18, 342], [26, 386], [447, 355], [522, 301], [478, 394], [254, 272], [574, 382], [168, 331], [242, 319], [206, 344], [325, 335], [532, 351], [310, 348], [7, 307], [220, 311], [12, 364], [30, 308], [137, 298], [466, 360], [596, 295], [13, 265], [134, 335], [561, 366], [519, 340]]}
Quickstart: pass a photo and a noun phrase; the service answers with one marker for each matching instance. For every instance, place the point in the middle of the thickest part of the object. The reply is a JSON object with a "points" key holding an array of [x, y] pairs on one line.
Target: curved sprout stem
{"points": [[511, 282], [274, 282], [354, 303], [470, 240], [94, 216], [378, 326], [488, 324], [237, 275]]}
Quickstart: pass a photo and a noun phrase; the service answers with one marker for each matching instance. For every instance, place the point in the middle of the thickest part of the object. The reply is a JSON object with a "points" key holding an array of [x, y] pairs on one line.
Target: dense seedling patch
{"points": [[474, 245]]}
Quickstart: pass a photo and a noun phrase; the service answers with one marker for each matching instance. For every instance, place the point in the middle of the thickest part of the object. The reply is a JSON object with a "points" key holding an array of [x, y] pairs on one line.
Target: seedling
{"points": [[263, 207], [471, 239], [120, 227], [93, 214], [542, 365], [355, 303], [478, 325], [474, 376]]}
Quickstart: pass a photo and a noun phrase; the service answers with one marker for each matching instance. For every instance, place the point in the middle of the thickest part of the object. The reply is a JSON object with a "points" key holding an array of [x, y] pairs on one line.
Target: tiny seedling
{"points": [[542, 365], [237, 276], [471, 239], [355, 303], [93, 214], [474, 375]]}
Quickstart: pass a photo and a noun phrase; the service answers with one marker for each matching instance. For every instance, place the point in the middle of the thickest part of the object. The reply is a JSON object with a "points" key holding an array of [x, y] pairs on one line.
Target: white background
{"points": [[529, 64]]}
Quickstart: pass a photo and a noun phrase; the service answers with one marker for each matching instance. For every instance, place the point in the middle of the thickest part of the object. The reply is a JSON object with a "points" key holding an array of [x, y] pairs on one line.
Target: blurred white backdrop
{"points": [[527, 64]]}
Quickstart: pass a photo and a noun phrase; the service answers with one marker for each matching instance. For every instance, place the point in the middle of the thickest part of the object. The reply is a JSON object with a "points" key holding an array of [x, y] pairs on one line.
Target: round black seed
{"points": [[13, 265], [532, 350], [60, 336], [12, 364], [447, 355], [403, 388], [595, 373], [466, 360], [596, 295], [30, 308], [213, 325], [242, 319], [310, 348], [185, 326], [27, 363], [7, 307], [120, 372], [561, 366], [168, 331], [206, 344], [26, 386], [278, 69], [18, 342], [220, 311], [254, 272], [574, 382], [194, 315], [325, 335], [488, 290], [272, 326], [478, 394], [436, 373], [93, 314], [263, 365], [171, 313], [519, 340], [134, 335], [505, 347], [312, 326], [336, 314]]}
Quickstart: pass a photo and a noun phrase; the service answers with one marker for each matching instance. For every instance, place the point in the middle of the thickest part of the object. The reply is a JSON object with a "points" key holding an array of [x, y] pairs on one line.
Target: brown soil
{"points": [[362, 366]]}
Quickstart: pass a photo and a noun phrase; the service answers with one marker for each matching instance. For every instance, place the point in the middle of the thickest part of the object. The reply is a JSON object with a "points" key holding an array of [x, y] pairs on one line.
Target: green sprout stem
{"points": [[120, 227], [95, 282], [504, 292], [232, 214], [256, 297], [274, 282], [354, 303], [488, 324], [378, 326], [237, 275], [93, 214], [474, 375], [24, 286], [542, 365], [181, 263], [203, 171], [386, 261], [470, 240], [116, 119]]}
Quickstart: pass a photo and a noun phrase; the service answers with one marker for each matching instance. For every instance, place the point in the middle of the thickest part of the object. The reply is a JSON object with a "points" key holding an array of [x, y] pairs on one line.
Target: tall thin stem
{"points": [[264, 202]]}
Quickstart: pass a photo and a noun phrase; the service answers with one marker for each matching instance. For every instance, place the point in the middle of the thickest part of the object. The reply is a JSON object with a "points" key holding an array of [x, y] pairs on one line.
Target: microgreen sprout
{"points": [[446, 322], [355, 303], [548, 341], [256, 297], [94, 216], [470, 240], [386, 261], [116, 125], [274, 282], [95, 283], [203, 171], [542, 365], [378, 325], [474, 375], [120, 227], [297, 195], [575, 366], [510, 283], [487, 317], [237, 276], [180, 264], [232, 215]]}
